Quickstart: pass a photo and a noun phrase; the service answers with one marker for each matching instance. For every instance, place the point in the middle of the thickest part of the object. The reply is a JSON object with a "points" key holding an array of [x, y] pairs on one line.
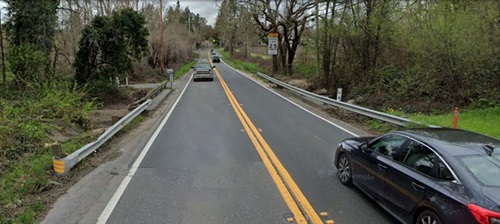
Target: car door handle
{"points": [[382, 167], [417, 187]]}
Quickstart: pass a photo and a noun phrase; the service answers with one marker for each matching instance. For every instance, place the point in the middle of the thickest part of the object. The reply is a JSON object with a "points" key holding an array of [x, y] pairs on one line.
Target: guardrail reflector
{"points": [[59, 166]]}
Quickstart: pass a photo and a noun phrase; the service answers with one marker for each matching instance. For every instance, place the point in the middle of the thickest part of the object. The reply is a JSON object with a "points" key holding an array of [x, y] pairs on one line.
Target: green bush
{"points": [[27, 63], [25, 122]]}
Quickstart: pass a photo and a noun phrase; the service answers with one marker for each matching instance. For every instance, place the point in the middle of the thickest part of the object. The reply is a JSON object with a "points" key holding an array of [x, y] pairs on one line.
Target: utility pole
{"points": [[317, 38], [1, 49], [162, 65]]}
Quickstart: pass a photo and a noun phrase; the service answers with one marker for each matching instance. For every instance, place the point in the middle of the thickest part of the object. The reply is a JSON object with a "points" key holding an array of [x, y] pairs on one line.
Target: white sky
{"points": [[206, 8]]}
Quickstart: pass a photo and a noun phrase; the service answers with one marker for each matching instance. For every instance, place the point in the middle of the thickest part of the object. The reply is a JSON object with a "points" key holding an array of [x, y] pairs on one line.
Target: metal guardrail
{"points": [[350, 107], [62, 166], [151, 94]]}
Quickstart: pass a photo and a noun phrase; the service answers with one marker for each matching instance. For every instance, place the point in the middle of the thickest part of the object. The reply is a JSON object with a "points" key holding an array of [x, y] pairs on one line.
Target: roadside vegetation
{"points": [[424, 58], [185, 68], [62, 60], [485, 121], [245, 65]]}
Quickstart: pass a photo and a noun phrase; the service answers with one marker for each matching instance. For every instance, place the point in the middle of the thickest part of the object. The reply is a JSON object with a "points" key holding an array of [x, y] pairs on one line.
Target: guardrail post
{"points": [[57, 162], [56, 150]]}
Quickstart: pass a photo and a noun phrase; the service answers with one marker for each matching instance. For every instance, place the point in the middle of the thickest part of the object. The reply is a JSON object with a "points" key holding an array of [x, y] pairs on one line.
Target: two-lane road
{"points": [[206, 165]]}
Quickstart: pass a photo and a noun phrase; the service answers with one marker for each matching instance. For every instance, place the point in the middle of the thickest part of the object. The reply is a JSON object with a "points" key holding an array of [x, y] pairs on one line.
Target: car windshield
{"points": [[202, 66], [486, 169]]}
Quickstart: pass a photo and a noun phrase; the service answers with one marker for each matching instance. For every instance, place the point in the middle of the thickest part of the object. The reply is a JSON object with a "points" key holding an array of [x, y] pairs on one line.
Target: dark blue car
{"points": [[432, 175]]}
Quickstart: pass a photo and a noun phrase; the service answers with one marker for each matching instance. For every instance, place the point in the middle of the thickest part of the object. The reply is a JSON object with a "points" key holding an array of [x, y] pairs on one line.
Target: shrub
{"points": [[27, 63]]}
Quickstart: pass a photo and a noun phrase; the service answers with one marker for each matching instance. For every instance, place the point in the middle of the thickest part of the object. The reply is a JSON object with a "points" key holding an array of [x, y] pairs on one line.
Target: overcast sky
{"points": [[206, 8]]}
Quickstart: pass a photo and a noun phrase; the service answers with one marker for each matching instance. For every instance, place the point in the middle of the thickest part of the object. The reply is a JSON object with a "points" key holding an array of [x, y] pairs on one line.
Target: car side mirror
{"points": [[364, 147]]}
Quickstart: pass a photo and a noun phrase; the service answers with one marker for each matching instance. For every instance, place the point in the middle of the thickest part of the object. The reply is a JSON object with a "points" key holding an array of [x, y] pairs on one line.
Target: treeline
{"points": [[415, 55], [74, 40]]}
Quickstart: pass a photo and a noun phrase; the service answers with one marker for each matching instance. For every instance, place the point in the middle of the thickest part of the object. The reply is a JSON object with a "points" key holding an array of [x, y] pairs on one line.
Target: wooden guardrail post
{"points": [[57, 161]]}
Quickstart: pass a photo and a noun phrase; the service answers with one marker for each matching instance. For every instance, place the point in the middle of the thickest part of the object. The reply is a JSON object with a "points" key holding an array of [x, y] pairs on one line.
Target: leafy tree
{"points": [[109, 45], [31, 25]]}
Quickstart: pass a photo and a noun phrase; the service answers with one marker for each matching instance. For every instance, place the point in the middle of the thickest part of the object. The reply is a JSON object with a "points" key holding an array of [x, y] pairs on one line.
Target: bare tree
{"points": [[289, 19]]}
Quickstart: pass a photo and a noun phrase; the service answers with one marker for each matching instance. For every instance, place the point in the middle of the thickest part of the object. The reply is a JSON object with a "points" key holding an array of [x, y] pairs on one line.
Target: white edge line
{"points": [[301, 107], [106, 213]]}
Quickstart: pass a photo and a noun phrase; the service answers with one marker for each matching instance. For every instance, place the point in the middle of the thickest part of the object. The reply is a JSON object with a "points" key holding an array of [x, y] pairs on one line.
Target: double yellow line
{"points": [[293, 196]]}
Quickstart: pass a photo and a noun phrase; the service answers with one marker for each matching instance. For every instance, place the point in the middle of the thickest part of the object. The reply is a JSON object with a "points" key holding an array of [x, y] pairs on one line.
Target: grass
{"points": [[184, 69], [255, 55], [27, 178], [133, 123], [305, 70], [484, 121], [238, 64]]}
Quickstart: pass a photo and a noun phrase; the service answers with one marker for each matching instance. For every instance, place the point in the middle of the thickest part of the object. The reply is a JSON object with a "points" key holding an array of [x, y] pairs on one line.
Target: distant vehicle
{"points": [[216, 59], [432, 175], [203, 71], [214, 53]]}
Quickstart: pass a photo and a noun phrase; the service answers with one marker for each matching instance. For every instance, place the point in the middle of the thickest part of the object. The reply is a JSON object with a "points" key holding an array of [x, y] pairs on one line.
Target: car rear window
{"points": [[486, 169], [203, 65]]}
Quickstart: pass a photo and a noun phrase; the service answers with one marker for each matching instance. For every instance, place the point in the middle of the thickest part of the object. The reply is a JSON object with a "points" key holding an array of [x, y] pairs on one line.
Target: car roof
{"points": [[454, 142]]}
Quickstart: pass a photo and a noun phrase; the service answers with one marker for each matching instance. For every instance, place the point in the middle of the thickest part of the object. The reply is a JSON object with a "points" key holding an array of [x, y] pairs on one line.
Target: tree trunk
{"points": [[1, 49], [327, 51], [282, 51], [275, 65], [365, 59]]}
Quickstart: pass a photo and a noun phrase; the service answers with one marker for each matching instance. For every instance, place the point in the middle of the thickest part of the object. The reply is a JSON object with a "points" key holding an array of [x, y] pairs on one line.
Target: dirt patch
{"points": [[103, 117], [300, 83]]}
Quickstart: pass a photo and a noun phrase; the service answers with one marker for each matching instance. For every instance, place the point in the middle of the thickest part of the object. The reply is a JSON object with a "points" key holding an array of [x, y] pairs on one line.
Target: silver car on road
{"points": [[203, 71]]}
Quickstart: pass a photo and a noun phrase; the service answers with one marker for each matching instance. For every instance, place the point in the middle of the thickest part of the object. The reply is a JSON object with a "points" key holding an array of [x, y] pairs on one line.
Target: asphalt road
{"points": [[203, 167]]}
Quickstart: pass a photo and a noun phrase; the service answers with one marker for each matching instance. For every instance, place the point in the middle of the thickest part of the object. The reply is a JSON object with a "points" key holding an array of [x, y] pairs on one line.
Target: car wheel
{"points": [[344, 170], [428, 217]]}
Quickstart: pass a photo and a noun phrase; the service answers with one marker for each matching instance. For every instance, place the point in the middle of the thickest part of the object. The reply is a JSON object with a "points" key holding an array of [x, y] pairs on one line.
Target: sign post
{"points": [[272, 46], [171, 76], [339, 94]]}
